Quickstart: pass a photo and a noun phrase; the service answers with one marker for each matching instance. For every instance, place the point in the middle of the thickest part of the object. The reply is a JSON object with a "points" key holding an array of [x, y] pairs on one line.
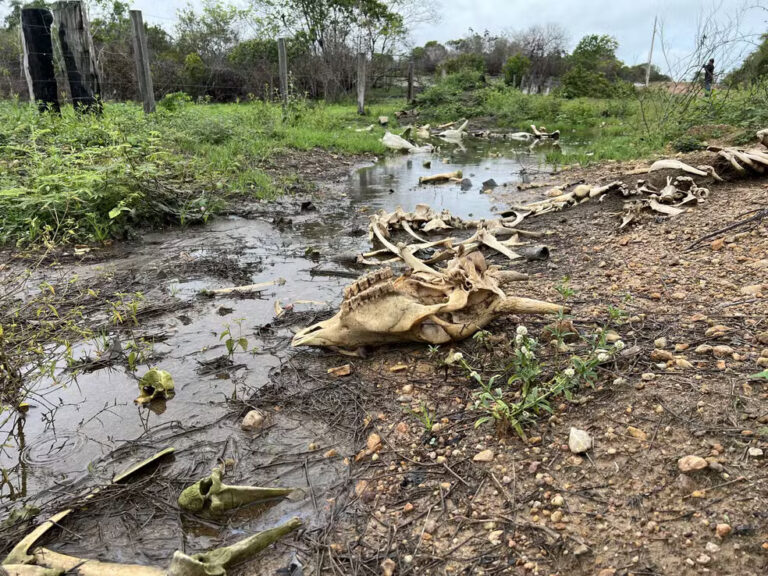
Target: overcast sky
{"points": [[630, 21]]}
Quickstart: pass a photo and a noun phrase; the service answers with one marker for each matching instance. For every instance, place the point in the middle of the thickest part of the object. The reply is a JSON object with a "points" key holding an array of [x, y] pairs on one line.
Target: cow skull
{"points": [[420, 307]]}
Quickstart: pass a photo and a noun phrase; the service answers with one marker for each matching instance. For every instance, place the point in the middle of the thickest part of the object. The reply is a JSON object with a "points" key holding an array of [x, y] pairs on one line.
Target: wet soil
{"points": [[418, 498]]}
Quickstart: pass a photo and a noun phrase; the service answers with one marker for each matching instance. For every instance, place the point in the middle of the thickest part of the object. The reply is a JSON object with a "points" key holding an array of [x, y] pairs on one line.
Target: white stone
{"points": [[254, 420], [579, 441]]}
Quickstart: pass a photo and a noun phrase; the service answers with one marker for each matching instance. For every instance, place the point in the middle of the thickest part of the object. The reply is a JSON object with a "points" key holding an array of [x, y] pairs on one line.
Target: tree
{"points": [[597, 53], [515, 68], [754, 67]]}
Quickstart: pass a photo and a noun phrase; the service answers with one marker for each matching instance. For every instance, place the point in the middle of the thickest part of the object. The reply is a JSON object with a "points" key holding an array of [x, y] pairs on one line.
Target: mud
{"points": [[78, 436]]}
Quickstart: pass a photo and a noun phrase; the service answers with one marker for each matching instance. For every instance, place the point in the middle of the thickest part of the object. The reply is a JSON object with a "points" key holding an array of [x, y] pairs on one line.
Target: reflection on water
{"points": [[77, 429]]}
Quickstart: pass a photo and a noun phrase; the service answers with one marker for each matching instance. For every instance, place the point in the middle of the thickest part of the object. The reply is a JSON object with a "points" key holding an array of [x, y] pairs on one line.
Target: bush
{"points": [[515, 68], [462, 63], [174, 101], [579, 82], [687, 143]]}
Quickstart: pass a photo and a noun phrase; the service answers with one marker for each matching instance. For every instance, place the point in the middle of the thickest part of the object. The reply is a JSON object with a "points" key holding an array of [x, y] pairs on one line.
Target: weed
{"points": [[425, 417], [233, 342]]}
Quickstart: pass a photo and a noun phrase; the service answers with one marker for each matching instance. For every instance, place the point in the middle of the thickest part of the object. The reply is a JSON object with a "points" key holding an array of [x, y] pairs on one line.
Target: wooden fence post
{"points": [[38, 57], [79, 55], [141, 55], [410, 82], [361, 83], [282, 60]]}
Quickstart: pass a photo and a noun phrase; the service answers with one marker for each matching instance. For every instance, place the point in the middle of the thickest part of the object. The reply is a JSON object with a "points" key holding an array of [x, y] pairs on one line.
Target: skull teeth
{"points": [[364, 283]]}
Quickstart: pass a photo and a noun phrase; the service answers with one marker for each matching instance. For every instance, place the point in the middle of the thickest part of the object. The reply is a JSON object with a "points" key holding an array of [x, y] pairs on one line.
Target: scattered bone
{"points": [[444, 177]]}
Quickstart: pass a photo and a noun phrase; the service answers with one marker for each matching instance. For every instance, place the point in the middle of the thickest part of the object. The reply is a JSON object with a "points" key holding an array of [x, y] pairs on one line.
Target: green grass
{"points": [[81, 178], [637, 125]]}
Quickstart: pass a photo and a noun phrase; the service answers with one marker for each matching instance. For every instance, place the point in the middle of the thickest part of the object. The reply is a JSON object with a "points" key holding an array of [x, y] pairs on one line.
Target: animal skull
{"points": [[420, 307], [211, 494], [155, 384]]}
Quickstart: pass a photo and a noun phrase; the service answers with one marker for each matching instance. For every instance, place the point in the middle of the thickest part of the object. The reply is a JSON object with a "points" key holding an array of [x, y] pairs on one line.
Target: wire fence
{"points": [[248, 70]]}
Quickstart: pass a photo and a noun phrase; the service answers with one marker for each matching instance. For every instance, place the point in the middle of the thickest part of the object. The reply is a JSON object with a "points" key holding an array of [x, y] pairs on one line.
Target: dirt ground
{"points": [[416, 499], [418, 502]]}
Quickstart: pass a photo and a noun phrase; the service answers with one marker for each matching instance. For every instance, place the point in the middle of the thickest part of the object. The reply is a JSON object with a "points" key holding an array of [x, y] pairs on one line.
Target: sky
{"points": [[631, 22]]}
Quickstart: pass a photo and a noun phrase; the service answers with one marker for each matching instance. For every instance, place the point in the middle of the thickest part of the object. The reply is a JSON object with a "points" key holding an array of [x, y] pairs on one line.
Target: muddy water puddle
{"points": [[81, 434]]}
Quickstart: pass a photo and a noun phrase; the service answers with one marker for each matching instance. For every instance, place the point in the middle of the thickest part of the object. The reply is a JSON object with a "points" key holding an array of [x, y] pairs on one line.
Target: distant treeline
{"points": [[223, 53]]}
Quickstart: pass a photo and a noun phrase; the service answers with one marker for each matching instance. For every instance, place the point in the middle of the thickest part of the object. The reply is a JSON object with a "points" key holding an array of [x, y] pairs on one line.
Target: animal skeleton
{"points": [[421, 306]]}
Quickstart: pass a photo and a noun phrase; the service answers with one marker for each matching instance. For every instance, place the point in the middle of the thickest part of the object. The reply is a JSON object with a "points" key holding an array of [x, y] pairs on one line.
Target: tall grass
{"points": [[74, 178], [637, 125]]}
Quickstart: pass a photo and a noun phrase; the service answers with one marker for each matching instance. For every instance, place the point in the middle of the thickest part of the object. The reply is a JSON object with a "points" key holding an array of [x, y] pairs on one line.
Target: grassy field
{"points": [[637, 125], [81, 178]]}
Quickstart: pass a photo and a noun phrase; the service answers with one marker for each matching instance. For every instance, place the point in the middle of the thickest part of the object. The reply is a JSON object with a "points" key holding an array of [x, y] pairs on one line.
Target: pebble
{"points": [[722, 351], [648, 376], [254, 420], [703, 559], [495, 537], [557, 500], [637, 433], [659, 355], [755, 452], [660, 342], [332, 453], [722, 530], [763, 338], [579, 441], [712, 548], [408, 508], [691, 463], [557, 516], [408, 559], [408, 388], [484, 456]]}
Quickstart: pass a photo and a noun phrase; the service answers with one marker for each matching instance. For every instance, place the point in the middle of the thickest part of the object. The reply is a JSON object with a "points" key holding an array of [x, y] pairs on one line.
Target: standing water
{"points": [[85, 432]]}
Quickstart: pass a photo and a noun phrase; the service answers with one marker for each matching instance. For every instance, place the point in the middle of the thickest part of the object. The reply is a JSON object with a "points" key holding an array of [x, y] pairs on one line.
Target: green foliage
{"points": [[468, 62], [755, 66], [515, 68], [87, 178], [687, 143], [581, 82], [174, 101]]}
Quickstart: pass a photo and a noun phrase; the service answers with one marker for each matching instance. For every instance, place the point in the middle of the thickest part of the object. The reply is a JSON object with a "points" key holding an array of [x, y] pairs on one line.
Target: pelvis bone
{"points": [[420, 307], [211, 494]]}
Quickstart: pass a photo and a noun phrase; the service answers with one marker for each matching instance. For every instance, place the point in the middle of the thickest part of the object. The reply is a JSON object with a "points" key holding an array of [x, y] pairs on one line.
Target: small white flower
{"points": [[521, 331], [619, 345], [458, 356], [569, 372], [603, 357], [528, 353], [519, 339]]}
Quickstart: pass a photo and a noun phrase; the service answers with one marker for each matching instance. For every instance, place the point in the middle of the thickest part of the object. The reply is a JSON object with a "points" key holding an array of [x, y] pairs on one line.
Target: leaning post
{"points": [[361, 83], [141, 56]]}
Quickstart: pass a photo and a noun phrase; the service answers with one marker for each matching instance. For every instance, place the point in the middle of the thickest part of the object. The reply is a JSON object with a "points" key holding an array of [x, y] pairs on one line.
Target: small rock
{"points": [[763, 362], [254, 420], [755, 452], [683, 364], [703, 559], [712, 548], [557, 516], [648, 376], [659, 355], [717, 245], [763, 338], [723, 530], [722, 351], [489, 184], [579, 441], [408, 559], [637, 433], [494, 537], [580, 550], [408, 508], [607, 572], [383, 120], [660, 343], [557, 500], [703, 349], [332, 453], [484, 456], [691, 463], [373, 442], [407, 389], [466, 184]]}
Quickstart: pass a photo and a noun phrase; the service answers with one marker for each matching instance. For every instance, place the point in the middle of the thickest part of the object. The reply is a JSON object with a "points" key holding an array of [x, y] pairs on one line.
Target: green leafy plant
{"points": [[233, 342], [424, 416]]}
